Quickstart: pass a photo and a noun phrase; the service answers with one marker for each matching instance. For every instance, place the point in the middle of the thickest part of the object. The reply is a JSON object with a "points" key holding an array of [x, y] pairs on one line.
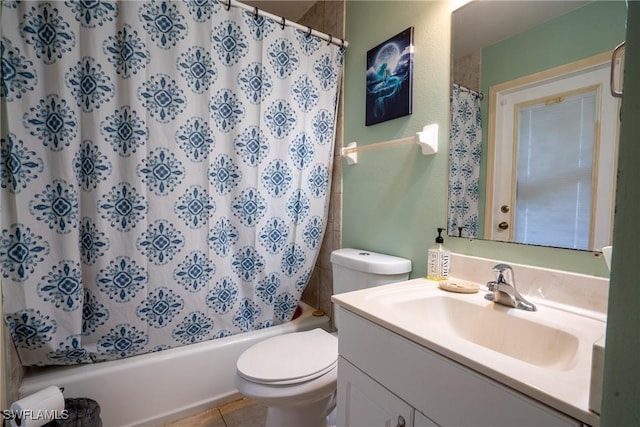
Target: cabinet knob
{"points": [[401, 422]]}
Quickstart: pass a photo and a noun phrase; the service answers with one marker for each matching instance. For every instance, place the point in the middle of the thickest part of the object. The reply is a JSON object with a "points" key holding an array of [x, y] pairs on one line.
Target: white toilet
{"points": [[295, 374]]}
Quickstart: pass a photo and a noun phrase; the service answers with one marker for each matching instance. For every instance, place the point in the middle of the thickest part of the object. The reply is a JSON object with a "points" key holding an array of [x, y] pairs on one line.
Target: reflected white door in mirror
{"points": [[552, 153]]}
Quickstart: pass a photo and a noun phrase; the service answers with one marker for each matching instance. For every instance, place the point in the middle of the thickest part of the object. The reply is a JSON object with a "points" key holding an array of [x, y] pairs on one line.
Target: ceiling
{"points": [[292, 10], [506, 17], [515, 16]]}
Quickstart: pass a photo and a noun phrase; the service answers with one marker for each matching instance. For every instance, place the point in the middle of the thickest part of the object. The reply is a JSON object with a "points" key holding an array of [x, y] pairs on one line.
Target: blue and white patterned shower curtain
{"points": [[465, 149], [165, 173]]}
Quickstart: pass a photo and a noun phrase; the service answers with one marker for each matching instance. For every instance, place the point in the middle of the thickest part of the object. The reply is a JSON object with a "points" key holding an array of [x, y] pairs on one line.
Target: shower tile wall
{"points": [[15, 370], [328, 17], [467, 71]]}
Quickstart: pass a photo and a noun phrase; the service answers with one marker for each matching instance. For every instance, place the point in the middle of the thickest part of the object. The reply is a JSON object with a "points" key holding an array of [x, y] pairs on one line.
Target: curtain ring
{"points": [[284, 21], [228, 5], [330, 39], [308, 31], [255, 12]]}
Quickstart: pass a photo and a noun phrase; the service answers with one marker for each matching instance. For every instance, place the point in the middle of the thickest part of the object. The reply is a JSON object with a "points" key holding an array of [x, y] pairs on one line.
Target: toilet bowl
{"points": [[295, 375]]}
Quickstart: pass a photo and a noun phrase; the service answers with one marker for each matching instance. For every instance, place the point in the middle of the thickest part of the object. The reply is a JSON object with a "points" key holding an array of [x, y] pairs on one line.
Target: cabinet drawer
{"points": [[447, 392]]}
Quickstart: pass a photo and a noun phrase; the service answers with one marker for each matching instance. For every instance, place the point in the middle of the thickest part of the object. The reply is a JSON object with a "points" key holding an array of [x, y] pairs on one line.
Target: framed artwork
{"points": [[389, 78]]}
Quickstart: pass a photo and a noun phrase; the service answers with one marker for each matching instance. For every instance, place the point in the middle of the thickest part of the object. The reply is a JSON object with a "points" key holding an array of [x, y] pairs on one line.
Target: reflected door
{"points": [[554, 161]]}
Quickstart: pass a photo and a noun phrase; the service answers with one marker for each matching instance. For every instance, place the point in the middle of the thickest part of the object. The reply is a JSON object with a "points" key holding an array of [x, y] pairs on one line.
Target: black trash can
{"points": [[81, 412]]}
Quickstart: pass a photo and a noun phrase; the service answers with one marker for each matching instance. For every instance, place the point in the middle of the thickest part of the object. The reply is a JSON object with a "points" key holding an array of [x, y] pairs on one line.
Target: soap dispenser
{"points": [[438, 259]]}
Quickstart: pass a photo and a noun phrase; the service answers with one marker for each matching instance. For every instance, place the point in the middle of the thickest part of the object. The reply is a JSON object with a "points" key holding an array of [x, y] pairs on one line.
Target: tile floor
{"points": [[239, 413]]}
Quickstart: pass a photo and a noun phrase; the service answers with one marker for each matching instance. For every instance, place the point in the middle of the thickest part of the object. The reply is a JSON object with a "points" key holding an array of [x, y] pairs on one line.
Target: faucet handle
{"points": [[505, 274], [492, 285], [501, 268]]}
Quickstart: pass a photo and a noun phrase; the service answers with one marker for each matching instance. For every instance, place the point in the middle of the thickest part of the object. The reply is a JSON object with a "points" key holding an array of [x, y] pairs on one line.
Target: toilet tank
{"points": [[355, 269]]}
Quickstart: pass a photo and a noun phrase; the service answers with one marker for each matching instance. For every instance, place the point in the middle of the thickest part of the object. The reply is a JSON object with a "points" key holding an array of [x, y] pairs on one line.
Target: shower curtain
{"points": [[465, 149], [165, 172]]}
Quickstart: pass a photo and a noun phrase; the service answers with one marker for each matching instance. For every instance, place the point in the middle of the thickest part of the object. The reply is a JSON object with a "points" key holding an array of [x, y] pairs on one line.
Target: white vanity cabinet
{"points": [[385, 379], [365, 403]]}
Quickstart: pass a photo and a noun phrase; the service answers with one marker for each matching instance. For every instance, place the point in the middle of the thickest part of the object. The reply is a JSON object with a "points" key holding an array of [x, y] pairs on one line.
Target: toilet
{"points": [[295, 374]]}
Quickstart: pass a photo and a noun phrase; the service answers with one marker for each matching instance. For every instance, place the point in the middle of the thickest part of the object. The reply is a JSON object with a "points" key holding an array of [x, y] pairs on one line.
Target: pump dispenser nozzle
{"points": [[438, 259]]}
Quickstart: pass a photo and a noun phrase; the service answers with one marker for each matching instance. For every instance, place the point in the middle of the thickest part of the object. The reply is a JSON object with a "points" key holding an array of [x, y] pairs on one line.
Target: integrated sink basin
{"points": [[491, 326], [545, 354]]}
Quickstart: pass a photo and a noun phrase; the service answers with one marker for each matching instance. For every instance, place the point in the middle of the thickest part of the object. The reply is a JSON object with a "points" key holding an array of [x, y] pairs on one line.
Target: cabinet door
{"points": [[362, 402]]}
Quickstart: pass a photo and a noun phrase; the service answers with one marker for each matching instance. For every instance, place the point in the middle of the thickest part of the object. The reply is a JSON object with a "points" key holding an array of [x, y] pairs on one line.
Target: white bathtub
{"points": [[157, 388]]}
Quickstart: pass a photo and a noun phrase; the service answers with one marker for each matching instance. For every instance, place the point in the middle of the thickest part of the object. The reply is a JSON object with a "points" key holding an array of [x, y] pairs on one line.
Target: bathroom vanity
{"points": [[412, 354]]}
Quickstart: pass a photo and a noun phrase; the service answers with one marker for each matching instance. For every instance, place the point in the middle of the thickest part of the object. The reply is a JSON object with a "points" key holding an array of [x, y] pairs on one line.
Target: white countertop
{"points": [[564, 387]]}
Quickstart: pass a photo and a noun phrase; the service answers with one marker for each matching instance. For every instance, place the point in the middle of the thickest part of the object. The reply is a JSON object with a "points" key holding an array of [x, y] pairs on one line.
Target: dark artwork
{"points": [[389, 78]]}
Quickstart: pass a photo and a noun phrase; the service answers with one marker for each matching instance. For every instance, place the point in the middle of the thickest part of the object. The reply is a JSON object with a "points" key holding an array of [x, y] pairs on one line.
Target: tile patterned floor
{"points": [[240, 413]]}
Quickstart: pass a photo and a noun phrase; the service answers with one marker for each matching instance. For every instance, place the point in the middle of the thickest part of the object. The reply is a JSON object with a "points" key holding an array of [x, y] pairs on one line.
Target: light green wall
{"points": [[622, 376], [589, 30], [395, 198]]}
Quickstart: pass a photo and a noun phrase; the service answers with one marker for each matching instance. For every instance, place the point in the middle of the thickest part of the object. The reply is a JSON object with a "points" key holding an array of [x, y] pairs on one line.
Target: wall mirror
{"points": [[534, 128]]}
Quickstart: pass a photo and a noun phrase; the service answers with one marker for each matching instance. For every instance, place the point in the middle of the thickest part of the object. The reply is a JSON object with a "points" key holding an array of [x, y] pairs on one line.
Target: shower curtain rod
{"points": [[284, 22], [480, 95]]}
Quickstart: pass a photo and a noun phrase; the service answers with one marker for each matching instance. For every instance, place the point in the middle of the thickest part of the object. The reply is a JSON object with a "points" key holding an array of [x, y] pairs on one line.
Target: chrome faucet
{"points": [[503, 289]]}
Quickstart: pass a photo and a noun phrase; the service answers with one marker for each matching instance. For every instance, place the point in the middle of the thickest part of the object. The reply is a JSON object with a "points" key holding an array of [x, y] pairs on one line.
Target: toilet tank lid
{"points": [[370, 262]]}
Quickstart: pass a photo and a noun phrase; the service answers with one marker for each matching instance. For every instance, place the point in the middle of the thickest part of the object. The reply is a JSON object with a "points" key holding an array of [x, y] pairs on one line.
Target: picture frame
{"points": [[389, 79]]}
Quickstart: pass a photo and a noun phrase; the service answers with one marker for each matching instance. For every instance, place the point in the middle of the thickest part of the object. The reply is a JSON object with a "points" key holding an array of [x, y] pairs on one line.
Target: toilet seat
{"points": [[290, 358]]}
